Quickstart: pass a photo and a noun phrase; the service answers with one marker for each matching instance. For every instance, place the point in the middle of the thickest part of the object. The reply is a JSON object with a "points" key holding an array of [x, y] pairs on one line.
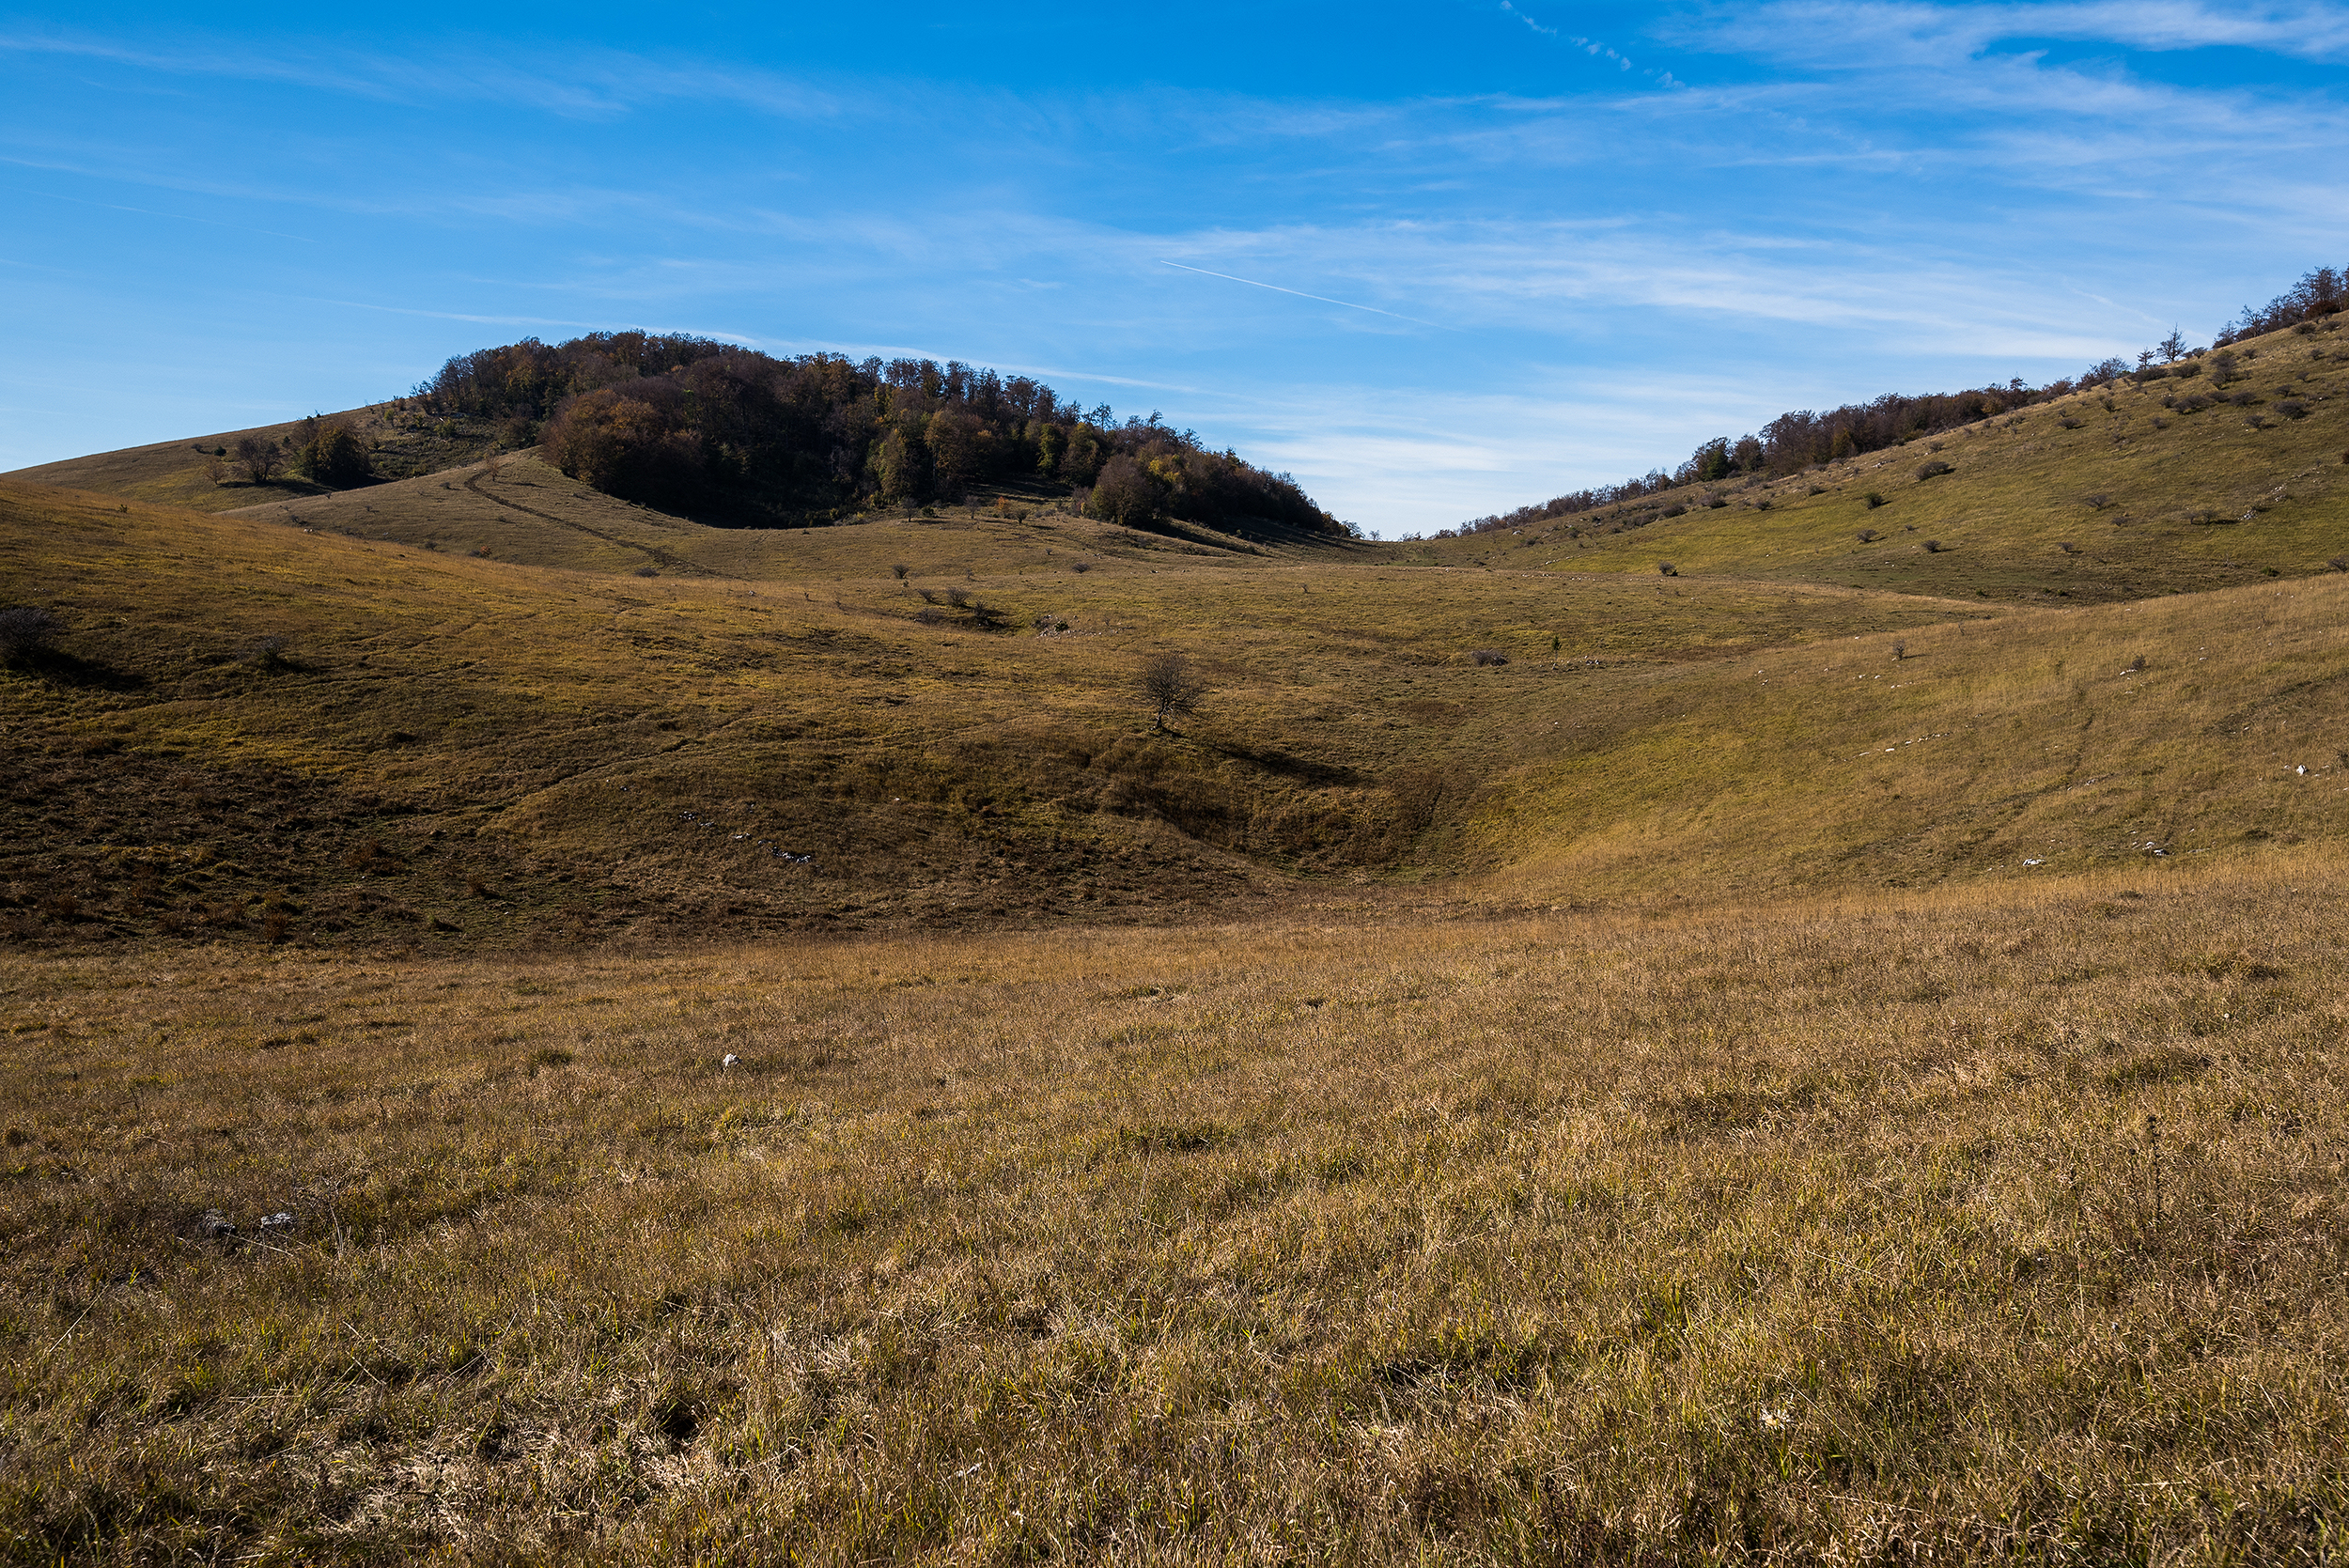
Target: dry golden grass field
{"points": [[533, 1031], [1991, 1226]]}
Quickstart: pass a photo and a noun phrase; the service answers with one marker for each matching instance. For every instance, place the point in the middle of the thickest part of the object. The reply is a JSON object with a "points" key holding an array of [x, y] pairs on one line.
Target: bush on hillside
{"points": [[25, 629], [334, 455]]}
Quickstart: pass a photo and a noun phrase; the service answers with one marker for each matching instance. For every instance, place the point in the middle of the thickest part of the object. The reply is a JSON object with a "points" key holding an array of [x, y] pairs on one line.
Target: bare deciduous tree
{"points": [[262, 459], [1170, 687]]}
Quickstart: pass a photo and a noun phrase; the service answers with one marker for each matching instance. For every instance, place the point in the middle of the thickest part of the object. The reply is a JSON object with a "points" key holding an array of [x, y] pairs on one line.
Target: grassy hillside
{"points": [[517, 509], [1962, 1229], [2149, 500], [402, 443], [457, 750]]}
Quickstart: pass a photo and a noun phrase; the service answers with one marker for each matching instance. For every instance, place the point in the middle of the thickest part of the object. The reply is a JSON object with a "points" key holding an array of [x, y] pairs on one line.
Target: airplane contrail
{"points": [[1298, 292]]}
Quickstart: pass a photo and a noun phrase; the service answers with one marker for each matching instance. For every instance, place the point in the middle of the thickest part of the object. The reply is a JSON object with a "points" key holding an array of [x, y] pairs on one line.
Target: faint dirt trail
{"points": [[676, 563]]}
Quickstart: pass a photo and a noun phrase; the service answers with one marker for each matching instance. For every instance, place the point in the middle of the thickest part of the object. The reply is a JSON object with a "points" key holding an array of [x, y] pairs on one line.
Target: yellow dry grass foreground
{"points": [[2005, 1225]]}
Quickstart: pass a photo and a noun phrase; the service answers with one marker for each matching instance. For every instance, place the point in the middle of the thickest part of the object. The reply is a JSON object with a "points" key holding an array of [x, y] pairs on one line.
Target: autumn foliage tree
{"points": [[334, 455]]}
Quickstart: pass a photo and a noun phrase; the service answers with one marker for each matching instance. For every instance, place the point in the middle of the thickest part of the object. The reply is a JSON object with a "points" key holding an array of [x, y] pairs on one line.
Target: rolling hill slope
{"points": [[487, 752], [2102, 495]]}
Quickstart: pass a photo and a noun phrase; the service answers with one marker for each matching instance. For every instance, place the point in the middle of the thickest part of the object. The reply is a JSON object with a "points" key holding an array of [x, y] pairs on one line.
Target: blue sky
{"points": [[1436, 259]]}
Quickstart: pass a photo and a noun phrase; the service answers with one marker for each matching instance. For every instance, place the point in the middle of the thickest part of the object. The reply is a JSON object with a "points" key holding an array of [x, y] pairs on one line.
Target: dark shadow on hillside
{"points": [[1303, 770], [60, 668]]}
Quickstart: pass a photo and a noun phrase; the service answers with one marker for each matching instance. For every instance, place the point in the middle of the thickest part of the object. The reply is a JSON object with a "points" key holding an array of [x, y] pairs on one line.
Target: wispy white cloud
{"points": [[1872, 35], [586, 83]]}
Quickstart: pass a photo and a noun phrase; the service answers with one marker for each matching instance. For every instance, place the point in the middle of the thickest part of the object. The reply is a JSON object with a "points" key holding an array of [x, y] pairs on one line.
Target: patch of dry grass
{"points": [[1949, 1229]]}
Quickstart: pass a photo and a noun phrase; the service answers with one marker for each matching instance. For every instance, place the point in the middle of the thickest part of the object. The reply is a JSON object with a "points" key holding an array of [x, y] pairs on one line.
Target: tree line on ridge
{"points": [[726, 433], [1802, 438]]}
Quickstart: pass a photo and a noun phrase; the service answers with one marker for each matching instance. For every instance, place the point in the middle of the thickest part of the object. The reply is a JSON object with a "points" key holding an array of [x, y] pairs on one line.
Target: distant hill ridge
{"points": [[1801, 439]]}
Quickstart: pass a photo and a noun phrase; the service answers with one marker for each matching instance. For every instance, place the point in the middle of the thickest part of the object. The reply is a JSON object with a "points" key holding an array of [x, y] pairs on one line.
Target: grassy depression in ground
{"points": [[253, 727], [1998, 1226]]}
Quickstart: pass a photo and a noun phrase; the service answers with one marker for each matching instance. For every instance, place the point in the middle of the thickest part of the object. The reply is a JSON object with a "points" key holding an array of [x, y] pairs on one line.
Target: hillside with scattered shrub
{"points": [[1803, 438]]}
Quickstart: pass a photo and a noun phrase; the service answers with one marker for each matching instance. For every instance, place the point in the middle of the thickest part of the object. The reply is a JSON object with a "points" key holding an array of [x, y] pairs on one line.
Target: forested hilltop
{"points": [[728, 434], [1803, 439]]}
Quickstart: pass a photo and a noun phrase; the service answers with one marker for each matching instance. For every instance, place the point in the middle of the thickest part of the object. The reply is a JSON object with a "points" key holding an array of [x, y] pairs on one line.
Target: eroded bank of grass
{"points": [[1965, 1227]]}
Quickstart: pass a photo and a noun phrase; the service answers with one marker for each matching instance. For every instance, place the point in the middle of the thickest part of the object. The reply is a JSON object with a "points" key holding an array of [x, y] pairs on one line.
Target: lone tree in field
{"points": [[1168, 685]]}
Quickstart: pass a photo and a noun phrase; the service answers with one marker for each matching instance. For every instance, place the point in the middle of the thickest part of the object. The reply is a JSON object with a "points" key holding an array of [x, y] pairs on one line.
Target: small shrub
{"points": [[1667, 568], [2293, 410], [2137, 666], [2338, 563], [1900, 651], [900, 571], [2187, 368], [649, 570], [2067, 547], [2069, 423], [2256, 422], [2097, 502], [1933, 470], [2242, 399], [930, 615], [1487, 656], [1934, 547], [25, 629], [1714, 503], [1815, 490], [1869, 536], [1081, 565], [1669, 511], [483, 552], [1873, 500], [958, 598]]}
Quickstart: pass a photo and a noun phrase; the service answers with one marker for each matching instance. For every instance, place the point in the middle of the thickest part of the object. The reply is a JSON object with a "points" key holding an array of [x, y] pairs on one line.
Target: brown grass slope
{"points": [[1994, 1228], [267, 730], [515, 508], [402, 445], [2037, 743], [2135, 500]]}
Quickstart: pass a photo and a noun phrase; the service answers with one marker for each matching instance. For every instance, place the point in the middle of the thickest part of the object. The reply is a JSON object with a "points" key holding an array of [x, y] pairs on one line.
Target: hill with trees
{"points": [[723, 433], [1803, 438]]}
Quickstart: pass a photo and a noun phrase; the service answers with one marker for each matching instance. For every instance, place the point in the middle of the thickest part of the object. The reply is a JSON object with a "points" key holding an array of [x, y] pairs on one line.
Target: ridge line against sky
{"points": [[1436, 261]]}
